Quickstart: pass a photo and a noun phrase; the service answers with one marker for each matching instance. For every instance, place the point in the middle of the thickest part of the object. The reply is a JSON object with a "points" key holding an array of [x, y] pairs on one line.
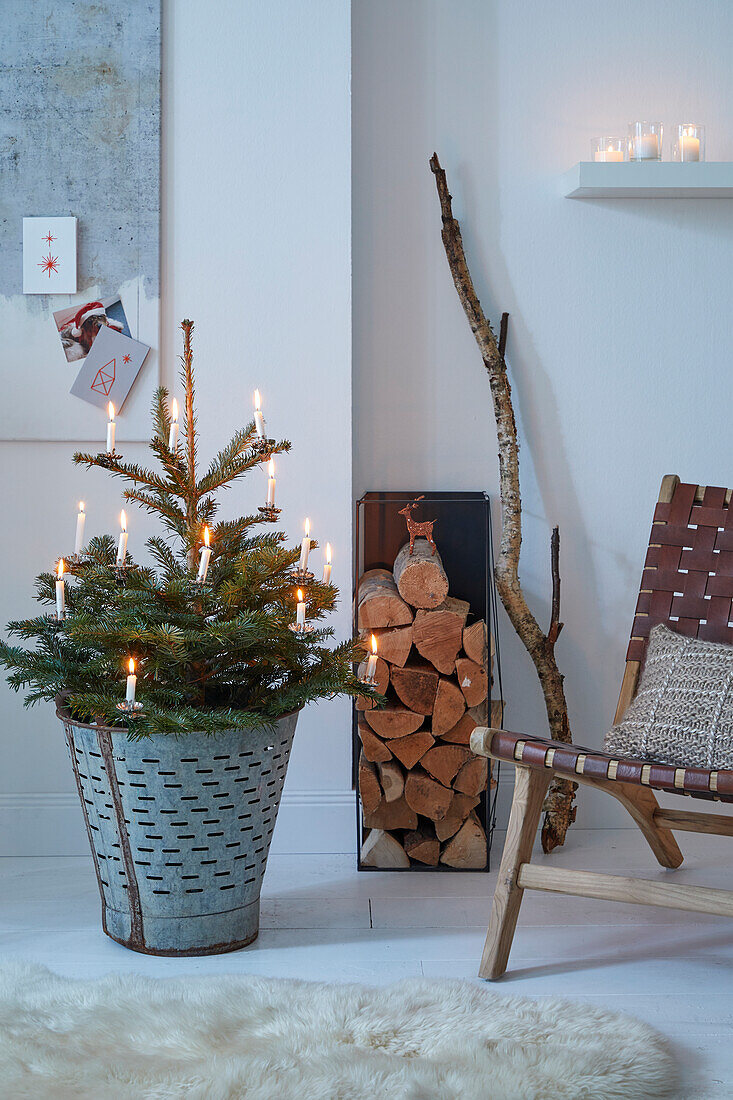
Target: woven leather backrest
{"points": [[688, 574]]}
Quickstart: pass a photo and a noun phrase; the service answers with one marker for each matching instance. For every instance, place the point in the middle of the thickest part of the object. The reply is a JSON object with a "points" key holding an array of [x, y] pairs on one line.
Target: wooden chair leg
{"points": [[530, 787], [642, 805]]}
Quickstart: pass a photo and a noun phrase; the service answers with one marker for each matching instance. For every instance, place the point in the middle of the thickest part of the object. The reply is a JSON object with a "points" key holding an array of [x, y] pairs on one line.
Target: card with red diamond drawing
{"points": [[109, 369]]}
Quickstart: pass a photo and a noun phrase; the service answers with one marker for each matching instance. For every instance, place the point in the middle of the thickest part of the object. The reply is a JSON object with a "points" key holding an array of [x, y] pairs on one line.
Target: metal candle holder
{"points": [[368, 681], [306, 628], [130, 708], [269, 513], [76, 559], [264, 447], [105, 457], [119, 573], [302, 577]]}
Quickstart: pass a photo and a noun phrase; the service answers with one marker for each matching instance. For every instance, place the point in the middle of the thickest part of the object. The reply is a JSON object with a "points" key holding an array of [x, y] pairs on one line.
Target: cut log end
{"points": [[370, 790], [420, 577], [393, 721], [460, 807], [425, 796], [460, 734], [437, 635], [472, 680], [467, 849], [379, 604], [374, 749], [449, 706], [412, 748], [444, 762], [473, 776], [475, 643], [391, 815], [415, 685], [380, 849], [423, 845], [394, 644], [392, 780]]}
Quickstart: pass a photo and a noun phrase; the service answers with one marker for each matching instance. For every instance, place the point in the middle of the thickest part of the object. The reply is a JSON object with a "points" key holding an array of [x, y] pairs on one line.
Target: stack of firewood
{"points": [[419, 782]]}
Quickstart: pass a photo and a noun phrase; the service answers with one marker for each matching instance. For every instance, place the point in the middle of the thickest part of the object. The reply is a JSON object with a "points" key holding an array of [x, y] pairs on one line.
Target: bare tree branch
{"points": [[559, 811], [555, 624], [503, 331]]}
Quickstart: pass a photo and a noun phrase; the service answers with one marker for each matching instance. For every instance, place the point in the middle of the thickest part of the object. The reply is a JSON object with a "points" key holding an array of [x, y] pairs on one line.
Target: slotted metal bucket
{"points": [[180, 830]]}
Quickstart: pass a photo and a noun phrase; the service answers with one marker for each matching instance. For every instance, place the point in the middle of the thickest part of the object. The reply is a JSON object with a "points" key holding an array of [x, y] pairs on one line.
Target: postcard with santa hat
{"points": [[78, 325], [109, 369]]}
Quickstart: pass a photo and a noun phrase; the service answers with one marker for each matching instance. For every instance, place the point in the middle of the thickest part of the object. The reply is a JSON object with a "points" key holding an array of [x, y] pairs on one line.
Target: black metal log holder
{"points": [[463, 533]]}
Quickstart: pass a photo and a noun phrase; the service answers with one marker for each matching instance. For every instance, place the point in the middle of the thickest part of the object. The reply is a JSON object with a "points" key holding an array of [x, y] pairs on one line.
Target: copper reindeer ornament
{"points": [[417, 530]]}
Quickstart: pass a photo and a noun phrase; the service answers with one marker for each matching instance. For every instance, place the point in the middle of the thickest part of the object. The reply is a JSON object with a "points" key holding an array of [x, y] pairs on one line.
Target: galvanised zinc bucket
{"points": [[180, 829]]}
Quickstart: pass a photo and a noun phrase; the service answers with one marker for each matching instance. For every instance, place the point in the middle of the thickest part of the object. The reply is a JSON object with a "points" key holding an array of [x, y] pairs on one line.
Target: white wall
{"points": [[256, 249], [619, 342]]}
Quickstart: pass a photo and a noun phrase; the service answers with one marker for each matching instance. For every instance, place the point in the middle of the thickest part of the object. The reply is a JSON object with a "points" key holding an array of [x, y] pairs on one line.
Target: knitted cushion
{"points": [[683, 709]]}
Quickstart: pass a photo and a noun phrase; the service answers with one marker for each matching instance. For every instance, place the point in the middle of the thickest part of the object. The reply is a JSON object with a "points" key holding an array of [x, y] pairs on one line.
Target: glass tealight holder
{"points": [[689, 142], [645, 141], [608, 149]]}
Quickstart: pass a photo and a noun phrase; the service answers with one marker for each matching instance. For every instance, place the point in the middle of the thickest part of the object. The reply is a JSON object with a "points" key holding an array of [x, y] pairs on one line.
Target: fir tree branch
{"points": [[172, 514], [190, 430]]}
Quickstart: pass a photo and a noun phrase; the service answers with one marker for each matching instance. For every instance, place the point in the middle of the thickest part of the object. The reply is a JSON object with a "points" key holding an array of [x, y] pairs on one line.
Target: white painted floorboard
{"points": [[321, 920]]}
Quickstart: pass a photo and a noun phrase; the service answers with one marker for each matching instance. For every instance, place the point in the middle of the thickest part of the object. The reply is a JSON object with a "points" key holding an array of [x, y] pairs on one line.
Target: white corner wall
{"points": [[619, 338], [256, 249]]}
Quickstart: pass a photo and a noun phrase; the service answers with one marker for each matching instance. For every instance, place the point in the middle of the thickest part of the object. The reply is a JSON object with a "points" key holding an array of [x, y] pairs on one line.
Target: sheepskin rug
{"points": [[268, 1039]]}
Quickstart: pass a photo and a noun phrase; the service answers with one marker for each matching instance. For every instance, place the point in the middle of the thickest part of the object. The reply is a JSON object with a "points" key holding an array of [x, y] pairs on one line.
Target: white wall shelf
{"points": [[649, 180]]}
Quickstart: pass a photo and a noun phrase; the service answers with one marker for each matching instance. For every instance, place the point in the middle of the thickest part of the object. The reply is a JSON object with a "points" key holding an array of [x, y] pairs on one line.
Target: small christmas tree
{"points": [[210, 655]]}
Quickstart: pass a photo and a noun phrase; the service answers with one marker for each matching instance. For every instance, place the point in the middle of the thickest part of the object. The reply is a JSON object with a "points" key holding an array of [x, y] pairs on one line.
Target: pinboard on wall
{"points": [[79, 226]]}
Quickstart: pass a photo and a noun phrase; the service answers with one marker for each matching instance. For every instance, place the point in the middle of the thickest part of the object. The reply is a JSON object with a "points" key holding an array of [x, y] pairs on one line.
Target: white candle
{"points": [[690, 147], [327, 566], [60, 594], [122, 545], [305, 547], [609, 154], [111, 429], [372, 662], [131, 682], [80, 519], [205, 558], [300, 616], [259, 418], [271, 484], [173, 435], [646, 147]]}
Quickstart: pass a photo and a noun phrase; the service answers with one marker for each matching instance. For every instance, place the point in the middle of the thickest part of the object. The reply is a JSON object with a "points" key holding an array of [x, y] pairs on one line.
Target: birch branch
{"points": [[559, 810]]}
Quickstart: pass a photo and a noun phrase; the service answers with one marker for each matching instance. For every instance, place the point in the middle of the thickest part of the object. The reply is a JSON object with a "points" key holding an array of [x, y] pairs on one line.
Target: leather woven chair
{"points": [[687, 583]]}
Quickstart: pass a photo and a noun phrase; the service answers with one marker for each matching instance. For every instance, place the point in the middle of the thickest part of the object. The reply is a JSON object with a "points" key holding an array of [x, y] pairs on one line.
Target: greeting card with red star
{"points": [[109, 369], [49, 255]]}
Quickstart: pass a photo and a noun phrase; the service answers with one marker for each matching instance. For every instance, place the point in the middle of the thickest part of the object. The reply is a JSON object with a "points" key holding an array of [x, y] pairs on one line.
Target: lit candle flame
{"points": [[328, 553], [300, 596], [174, 409], [123, 520], [60, 568], [131, 666], [258, 404], [307, 528], [111, 411], [81, 505], [271, 468], [206, 535], [374, 645]]}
